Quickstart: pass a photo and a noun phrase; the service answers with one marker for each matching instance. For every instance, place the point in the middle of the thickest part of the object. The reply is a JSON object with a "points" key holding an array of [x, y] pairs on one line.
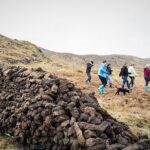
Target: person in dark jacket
{"points": [[88, 71], [109, 72], [124, 74]]}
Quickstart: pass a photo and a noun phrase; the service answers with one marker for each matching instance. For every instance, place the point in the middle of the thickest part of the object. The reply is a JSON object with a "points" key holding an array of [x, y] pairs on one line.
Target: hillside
{"points": [[15, 51], [115, 60], [118, 60]]}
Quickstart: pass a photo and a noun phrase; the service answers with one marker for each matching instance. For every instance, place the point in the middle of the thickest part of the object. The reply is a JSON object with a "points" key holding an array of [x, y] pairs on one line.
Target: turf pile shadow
{"points": [[42, 111]]}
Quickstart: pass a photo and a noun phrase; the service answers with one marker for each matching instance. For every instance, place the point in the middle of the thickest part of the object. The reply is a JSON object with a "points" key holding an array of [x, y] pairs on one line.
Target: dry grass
{"points": [[14, 51], [137, 123], [133, 109], [6, 143]]}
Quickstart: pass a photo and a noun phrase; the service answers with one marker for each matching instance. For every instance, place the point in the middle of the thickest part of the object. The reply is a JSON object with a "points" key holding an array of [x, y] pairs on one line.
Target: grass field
{"points": [[133, 109]]}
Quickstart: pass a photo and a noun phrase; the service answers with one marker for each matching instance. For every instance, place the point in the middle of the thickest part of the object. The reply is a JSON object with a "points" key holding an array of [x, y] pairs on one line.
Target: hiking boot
{"points": [[101, 89], [131, 89], [146, 88]]}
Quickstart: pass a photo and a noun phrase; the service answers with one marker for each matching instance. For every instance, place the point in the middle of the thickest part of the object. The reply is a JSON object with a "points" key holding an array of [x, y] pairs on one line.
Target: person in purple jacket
{"points": [[147, 77]]}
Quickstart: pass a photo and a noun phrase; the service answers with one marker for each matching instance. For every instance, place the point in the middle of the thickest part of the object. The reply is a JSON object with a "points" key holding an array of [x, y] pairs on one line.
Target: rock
{"points": [[132, 147], [94, 120], [80, 138], [42, 111], [95, 141], [90, 110], [65, 123], [54, 88], [89, 133], [104, 125], [116, 146]]}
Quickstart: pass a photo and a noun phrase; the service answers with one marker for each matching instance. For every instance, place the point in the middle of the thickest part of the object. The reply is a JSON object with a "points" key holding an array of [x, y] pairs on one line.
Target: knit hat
{"points": [[147, 65]]}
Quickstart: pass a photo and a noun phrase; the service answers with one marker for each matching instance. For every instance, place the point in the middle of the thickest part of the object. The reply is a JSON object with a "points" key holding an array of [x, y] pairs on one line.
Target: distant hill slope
{"points": [[115, 60], [118, 60], [13, 51], [148, 60]]}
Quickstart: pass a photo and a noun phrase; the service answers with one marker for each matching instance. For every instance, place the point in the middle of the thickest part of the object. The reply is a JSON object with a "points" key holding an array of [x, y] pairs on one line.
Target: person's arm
{"points": [[120, 74]]}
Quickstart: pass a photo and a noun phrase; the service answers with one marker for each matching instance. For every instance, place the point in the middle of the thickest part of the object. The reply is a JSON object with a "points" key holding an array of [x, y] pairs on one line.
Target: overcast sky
{"points": [[80, 26]]}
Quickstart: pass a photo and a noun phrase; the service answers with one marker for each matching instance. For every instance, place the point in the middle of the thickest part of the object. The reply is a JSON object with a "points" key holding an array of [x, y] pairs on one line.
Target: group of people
{"points": [[105, 72], [128, 72]]}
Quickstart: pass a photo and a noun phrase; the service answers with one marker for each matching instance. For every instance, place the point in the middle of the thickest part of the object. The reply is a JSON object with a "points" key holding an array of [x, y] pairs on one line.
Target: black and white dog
{"points": [[124, 91]]}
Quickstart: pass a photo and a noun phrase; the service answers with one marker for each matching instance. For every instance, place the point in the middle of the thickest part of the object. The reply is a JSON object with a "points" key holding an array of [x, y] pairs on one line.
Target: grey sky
{"points": [[80, 26]]}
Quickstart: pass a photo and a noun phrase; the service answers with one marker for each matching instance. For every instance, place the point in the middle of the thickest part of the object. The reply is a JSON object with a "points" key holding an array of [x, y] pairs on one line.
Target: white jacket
{"points": [[131, 71]]}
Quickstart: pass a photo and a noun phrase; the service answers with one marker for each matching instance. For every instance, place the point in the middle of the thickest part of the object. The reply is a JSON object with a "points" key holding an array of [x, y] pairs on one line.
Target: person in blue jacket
{"points": [[102, 74]]}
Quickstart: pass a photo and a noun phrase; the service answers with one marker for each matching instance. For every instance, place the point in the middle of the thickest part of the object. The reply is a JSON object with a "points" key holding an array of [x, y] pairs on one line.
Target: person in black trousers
{"points": [[124, 74], [88, 71]]}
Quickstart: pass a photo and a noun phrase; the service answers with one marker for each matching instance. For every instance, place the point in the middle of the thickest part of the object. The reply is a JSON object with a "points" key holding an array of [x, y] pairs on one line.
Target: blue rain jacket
{"points": [[102, 71]]}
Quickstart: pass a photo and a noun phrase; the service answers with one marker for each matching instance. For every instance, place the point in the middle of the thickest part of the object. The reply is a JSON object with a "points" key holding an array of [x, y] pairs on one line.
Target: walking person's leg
{"points": [[88, 77], [102, 86], [131, 82], [128, 85], [146, 84], [110, 82], [104, 83], [146, 81], [123, 81]]}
